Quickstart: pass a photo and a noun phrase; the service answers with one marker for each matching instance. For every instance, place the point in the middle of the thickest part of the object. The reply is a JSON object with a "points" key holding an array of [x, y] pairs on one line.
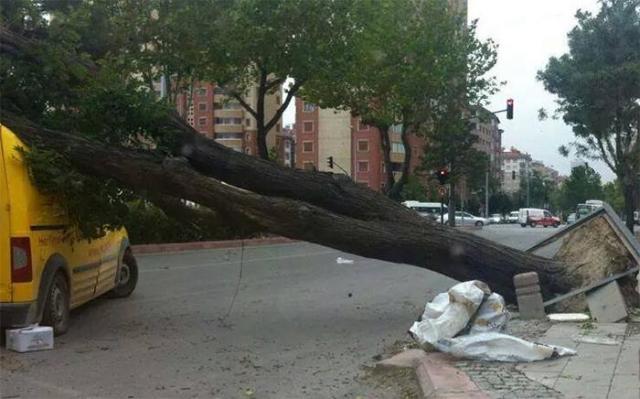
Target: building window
{"points": [[397, 147], [218, 90], [307, 146], [231, 105], [233, 136], [308, 126], [513, 175], [362, 126], [202, 121], [363, 166], [202, 91], [247, 137], [217, 106], [287, 156], [247, 150], [278, 128], [363, 145], [308, 166], [202, 107], [308, 107], [248, 122]]}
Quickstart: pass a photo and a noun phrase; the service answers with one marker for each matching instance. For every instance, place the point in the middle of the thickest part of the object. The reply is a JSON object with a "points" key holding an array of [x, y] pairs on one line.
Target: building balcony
{"points": [[229, 113], [397, 157], [229, 128]]}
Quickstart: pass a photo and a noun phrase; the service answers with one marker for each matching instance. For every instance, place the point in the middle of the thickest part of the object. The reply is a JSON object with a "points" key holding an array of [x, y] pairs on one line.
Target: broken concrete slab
{"points": [[596, 247], [529, 296], [607, 304]]}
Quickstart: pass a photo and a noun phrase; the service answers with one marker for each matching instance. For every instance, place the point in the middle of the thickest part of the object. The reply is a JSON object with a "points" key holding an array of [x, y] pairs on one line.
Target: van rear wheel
{"points": [[127, 277], [56, 307]]}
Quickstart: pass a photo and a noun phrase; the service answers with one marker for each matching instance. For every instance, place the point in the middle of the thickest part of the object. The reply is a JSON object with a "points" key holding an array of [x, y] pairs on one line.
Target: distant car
{"points": [[496, 218], [429, 210], [467, 219], [537, 217], [571, 219], [513, 217]]}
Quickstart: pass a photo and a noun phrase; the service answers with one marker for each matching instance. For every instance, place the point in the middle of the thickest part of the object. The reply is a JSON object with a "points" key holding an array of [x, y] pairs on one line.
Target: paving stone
{"points": [[575, 389], [556, 365], [544, 378], [629, 361], [625, 386]]}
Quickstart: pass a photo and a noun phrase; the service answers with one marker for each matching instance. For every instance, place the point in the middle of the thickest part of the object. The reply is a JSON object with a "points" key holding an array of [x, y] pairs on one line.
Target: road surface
{"points": [[283, 321]]}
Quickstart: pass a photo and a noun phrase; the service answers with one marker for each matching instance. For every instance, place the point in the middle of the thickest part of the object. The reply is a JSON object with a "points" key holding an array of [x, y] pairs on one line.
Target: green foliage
{"points": [[598, 89], [93, 205], [583, 184], [148, 224], [613, 195], [414, 190], [501, 203]]}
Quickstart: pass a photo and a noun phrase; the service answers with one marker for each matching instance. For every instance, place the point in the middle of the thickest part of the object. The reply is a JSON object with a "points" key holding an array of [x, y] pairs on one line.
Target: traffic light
{"points": [[330, 162], [442, 175], [510, 108]]}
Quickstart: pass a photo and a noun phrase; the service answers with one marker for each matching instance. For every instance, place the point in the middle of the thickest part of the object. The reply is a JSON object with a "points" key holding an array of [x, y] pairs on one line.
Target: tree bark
{"points": [[628, 191], [444, 250], [406, 166], [385, 143]]}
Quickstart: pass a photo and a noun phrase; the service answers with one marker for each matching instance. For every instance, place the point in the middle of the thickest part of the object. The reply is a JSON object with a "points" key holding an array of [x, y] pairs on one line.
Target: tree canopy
{"points": [[598, 89]]}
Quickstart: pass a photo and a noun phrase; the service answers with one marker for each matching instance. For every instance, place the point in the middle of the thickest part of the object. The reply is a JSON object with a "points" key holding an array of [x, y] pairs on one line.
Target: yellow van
{"points": [[45, 268]]}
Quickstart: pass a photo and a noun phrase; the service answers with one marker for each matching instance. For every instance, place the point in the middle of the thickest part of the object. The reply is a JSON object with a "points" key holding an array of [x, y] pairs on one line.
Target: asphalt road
{"points": [[300, 326]]}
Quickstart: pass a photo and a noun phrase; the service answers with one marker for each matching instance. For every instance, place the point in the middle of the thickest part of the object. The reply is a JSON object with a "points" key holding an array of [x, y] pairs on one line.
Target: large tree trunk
{"points": [[444, 250], [628, 191], [385, 145], [395, 191]]}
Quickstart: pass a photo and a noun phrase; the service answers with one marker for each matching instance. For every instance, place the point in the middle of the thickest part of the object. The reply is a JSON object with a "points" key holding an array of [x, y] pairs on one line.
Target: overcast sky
{"points": [[528, 32]]}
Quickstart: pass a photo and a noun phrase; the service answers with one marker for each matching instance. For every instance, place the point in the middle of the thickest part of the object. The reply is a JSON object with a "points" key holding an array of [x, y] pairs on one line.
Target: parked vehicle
{"points": [[46, 269], [636, 217], [537, 217], [427, 209], [589, 206], [467, 219], [513, 217], [496, 218], [571, 219]]}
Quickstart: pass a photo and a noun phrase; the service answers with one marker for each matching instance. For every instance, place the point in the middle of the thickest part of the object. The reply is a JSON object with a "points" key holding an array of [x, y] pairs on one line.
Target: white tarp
{"points": [[493, 346], [466, 321]]}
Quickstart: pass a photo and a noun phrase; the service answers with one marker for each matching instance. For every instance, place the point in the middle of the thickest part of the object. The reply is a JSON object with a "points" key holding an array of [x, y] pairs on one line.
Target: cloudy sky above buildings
{"points": [[528, 32]]}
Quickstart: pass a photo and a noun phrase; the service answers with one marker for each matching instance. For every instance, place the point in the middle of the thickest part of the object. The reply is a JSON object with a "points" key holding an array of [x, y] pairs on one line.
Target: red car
{"points": [[538, 217]]}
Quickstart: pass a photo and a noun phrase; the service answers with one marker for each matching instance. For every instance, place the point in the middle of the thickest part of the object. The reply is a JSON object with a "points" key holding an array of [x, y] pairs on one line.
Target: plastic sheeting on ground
{"points": [[466, 322]]}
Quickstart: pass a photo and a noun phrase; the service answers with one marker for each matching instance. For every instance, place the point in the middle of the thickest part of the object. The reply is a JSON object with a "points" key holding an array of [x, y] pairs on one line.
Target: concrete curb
{"points": [[438, 379], [191, 246]]}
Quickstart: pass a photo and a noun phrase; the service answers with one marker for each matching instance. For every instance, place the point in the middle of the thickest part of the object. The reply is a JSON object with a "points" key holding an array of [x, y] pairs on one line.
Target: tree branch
{"points": [[276, 117]]}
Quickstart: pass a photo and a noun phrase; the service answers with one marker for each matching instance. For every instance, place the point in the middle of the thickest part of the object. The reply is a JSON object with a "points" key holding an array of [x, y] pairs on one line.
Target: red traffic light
{"points": [[442, 175]]}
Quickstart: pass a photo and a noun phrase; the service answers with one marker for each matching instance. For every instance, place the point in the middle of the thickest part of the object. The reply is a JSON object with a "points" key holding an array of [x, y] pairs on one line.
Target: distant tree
{"points": [[613, 195], [501, 203], [405, 72], [583, 184], [598, 87]]}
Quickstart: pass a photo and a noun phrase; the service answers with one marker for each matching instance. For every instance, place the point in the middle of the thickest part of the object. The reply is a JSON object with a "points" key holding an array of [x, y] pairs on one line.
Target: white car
{"points": [[513, 217], [467, 219], [496, 218], [571, 219]]}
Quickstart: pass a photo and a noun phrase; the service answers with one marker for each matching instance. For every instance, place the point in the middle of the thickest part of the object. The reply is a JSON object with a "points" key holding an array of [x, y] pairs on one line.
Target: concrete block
{"points": [[530, 305], [409, 358], [607, 304]]}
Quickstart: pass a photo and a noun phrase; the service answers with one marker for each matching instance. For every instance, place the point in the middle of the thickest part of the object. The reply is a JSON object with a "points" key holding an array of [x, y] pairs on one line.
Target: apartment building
{"points": [[485, 125], [547, 173], [214, 114], [516, 166], [354, 146]]}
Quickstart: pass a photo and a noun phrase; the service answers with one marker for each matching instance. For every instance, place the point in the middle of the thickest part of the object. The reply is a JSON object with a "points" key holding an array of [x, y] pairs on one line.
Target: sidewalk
{"points": [[606, 370]]}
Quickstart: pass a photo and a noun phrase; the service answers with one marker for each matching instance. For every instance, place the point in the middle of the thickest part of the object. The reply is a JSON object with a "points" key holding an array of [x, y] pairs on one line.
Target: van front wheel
{"points": [[127, 277], [56, 307]]}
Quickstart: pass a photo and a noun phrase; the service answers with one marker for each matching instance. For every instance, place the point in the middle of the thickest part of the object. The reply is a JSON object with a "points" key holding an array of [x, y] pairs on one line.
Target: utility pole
{"points": [[486, 194], [528, 186]]}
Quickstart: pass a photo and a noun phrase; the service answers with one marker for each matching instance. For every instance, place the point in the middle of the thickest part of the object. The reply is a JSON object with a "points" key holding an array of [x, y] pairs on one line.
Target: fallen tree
{"points": [[431, 246], [322, 208]]}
